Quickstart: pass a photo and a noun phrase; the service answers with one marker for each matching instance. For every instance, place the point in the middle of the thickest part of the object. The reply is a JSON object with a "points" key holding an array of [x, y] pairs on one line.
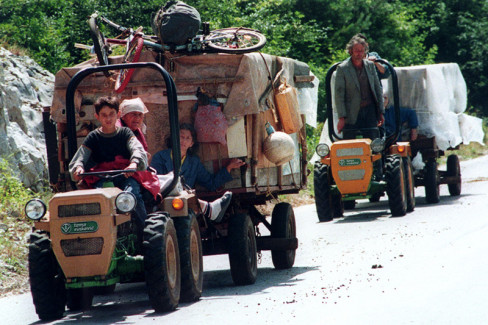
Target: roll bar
{"points": [[172, 108], [396, 103]]}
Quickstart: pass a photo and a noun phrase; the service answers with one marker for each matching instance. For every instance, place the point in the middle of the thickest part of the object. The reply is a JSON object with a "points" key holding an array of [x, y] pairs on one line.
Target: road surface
{"points": [[429, 267]]}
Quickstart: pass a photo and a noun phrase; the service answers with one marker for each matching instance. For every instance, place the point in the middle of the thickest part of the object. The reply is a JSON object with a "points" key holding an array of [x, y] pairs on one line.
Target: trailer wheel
{"points": [[191, 262], [409, 182], [328, 205], [79, 299], [395, 185], [453, 169], [161, 262], [242, 249], [432, 194], [283, 226], [46, 278]]}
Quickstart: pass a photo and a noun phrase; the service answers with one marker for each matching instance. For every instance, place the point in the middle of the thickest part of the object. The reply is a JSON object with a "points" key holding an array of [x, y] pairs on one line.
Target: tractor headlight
{"points": [[322, 149], [377, 145], [125, 202], [35, 209]]}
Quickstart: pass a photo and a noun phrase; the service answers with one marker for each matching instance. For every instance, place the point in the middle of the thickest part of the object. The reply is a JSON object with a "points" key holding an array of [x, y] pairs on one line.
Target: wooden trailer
{"points": [[245, 85]]}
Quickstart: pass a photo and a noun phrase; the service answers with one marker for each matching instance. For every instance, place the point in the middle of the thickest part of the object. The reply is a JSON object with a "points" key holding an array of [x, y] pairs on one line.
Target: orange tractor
{"points": [[362, 168]]}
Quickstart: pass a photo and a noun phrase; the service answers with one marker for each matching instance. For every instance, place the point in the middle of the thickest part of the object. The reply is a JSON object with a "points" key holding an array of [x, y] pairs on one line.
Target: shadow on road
{"points": [[368, 212], [362, 216], [219, 283], [131, 299]]}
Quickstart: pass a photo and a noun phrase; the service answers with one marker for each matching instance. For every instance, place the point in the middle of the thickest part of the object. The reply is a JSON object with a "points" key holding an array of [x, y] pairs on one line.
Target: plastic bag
{"points": [[211, 124]]}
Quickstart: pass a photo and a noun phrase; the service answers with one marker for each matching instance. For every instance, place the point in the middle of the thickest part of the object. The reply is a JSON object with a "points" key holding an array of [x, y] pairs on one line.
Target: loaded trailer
{"points": [[245, 88]]}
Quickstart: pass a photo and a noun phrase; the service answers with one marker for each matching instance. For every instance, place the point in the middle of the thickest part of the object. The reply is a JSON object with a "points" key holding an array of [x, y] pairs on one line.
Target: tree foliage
{"points": [[406, 32]]}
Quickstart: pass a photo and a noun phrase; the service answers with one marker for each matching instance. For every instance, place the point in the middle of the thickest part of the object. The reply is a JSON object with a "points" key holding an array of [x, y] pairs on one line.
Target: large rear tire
{"points": [[328, 206], [454, 169], [283, 226], [242, 250], [395, 185], [46, 278], [191, 261], [409, 183], [432, 191], [162, 262]]}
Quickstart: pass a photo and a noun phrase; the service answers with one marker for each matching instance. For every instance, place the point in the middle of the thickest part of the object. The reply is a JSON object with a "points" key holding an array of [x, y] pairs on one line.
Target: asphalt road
{"points": [[429, 267]]}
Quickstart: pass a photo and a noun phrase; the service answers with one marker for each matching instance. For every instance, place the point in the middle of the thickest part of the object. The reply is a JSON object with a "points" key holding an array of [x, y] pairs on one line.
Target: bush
{"points": [[14, 228]]}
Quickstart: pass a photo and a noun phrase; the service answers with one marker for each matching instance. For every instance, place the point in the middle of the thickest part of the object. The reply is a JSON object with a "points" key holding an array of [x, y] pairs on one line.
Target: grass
{"points": [[14, 230]]}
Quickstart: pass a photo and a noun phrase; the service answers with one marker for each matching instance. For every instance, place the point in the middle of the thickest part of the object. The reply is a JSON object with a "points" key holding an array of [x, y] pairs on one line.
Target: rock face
{"points": [[25, 88]]}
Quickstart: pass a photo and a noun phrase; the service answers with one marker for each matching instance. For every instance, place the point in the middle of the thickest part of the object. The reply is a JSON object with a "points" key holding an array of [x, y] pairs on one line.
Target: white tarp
{"points": [[438, 94]]}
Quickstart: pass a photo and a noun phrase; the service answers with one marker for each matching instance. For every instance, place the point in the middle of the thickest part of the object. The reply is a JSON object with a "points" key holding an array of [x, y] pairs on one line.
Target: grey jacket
{"points": [[347, 94]]}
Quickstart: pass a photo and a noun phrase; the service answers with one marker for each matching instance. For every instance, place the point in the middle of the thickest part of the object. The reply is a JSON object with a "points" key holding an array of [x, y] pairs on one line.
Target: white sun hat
{"points": [[132, 105]]}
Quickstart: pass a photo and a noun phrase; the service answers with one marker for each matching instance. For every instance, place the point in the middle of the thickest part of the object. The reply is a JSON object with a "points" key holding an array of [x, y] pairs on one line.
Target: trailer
{"points": [[438, 95]]}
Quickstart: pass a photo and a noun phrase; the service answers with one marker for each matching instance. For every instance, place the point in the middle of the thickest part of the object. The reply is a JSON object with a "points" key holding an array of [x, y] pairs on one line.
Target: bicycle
{"points": [[234, 40]]}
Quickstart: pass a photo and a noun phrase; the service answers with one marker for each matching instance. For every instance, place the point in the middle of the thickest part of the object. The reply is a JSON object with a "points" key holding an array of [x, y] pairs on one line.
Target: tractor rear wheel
{"points": [[162, 262], [409, 182], [190, 246]]}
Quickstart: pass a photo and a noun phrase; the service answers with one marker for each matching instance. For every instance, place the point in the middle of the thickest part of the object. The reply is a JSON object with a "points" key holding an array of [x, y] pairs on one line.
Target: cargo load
{"points": [[239, 83]]}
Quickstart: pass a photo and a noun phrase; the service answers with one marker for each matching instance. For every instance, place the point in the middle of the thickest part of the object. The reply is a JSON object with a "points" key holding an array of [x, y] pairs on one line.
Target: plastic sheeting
{"points": [[438, 94]]}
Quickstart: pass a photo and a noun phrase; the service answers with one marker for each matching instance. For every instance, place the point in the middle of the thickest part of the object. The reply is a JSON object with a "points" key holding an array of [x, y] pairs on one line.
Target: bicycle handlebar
{"points": [[114, 25]]}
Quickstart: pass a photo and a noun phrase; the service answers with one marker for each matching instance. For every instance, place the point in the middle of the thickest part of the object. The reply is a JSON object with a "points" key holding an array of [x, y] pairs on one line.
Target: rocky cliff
{"points": [[25, 88]]}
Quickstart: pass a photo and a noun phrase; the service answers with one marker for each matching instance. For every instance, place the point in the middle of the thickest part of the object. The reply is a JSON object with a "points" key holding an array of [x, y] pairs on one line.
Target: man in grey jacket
{"points": [[358, 92]]}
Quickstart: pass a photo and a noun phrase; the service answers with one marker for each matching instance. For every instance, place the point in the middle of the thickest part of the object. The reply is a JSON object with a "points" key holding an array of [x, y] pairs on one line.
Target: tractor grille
{"points": [[82, 246], [350, 152], [76, 210], [351, 174]]}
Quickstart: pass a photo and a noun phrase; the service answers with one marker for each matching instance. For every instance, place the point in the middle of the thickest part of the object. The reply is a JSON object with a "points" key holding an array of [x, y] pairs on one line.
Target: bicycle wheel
{"points": [[100, 46], [131, 56], [236, 40]]}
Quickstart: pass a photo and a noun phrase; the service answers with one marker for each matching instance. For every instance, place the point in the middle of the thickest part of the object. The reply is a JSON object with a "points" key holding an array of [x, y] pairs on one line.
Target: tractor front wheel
{"points": [[395, 185], [46, 278], [328, 205]]}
